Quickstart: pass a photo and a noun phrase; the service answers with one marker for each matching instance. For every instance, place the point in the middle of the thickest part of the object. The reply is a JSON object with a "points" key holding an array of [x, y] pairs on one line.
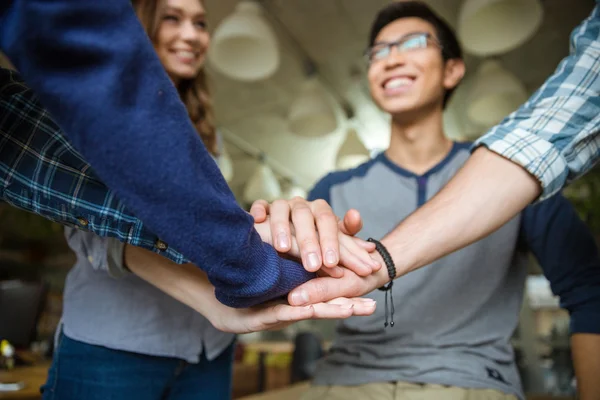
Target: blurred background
{"points": [[292, 104]]}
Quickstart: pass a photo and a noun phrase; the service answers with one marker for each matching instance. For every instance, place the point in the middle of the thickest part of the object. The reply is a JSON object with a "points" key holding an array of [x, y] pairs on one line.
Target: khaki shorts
{"points": [[402, 391]]}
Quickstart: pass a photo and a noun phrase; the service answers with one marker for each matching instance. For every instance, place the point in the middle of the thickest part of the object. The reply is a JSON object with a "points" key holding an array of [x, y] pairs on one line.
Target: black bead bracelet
{"points": [[387, 288]]}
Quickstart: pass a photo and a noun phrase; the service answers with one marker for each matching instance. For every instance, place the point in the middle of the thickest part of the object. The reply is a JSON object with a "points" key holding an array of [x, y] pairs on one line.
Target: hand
{"points": [[278, 316], [325, 288], [354, 251], [318, 233], [190, 285]]}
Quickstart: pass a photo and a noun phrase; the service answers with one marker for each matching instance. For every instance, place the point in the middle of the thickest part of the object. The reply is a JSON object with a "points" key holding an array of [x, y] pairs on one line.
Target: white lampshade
{"points": [[294, 190], [243, 46], [313, 113], [488, 27], [495, 93], [352, 152], [225, 164], [263, 184]]}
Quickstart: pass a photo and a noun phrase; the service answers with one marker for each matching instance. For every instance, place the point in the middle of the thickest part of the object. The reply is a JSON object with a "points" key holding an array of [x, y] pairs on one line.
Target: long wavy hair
{"points": [[194, 93]]}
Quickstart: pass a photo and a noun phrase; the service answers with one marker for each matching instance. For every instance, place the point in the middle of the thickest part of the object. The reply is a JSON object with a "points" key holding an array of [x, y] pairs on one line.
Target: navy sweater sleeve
{"points": [[568, 255], [95, 70]]}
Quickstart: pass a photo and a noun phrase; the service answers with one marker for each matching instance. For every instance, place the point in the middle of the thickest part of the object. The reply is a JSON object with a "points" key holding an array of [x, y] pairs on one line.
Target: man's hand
{"points": [[278, 316], [320, 238], [189, 285], [325, 288]]}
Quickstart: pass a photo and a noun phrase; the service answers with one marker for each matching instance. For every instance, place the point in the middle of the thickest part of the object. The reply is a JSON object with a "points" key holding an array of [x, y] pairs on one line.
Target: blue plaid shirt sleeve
{"points": [[554, 135], [42, 173]]}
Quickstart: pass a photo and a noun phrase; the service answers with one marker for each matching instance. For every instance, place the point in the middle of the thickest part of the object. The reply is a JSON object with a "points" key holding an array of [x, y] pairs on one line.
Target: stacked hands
{"points": [[346, 268]]}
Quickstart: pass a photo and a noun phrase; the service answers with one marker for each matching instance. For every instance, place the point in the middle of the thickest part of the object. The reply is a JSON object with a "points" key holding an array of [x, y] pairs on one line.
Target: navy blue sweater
{"points": [[95, 70]]}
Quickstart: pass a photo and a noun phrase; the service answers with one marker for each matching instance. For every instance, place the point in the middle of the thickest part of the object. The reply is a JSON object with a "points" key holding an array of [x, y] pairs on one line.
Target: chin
{"points": [[184, 73], [397, 107]]}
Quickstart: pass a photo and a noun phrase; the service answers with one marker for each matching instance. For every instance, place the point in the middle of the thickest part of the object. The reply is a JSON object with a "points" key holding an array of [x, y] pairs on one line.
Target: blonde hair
{"points": [[194, 93]]}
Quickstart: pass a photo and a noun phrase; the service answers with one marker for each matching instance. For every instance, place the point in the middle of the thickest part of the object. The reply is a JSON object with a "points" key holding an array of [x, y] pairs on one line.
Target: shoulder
{"points": [[323, 187]]}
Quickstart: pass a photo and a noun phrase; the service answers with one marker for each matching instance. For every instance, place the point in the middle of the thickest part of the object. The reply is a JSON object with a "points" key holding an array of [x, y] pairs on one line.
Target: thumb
{"points": [[352, 223], [316, 291]]}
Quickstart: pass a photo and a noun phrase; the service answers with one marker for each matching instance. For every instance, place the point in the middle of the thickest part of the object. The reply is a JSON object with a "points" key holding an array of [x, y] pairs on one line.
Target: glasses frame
{"points": [[397, 44]]}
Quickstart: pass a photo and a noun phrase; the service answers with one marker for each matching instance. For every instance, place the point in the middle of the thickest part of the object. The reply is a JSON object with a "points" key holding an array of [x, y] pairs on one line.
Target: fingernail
{"points": [[313, 261], [299, 298], [283, 240], [347, 306], [338, 271], [330, 257]]}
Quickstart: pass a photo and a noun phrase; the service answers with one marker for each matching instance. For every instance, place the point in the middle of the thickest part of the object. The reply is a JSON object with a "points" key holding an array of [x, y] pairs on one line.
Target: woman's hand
{"points": [[189, 285]]}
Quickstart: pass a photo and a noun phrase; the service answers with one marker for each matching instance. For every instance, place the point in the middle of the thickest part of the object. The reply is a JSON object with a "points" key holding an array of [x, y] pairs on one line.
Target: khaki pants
{"points": [[401, 391]]}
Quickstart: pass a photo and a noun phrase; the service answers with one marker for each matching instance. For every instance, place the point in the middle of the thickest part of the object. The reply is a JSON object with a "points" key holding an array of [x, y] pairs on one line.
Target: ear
{"points": [[454, 71]]}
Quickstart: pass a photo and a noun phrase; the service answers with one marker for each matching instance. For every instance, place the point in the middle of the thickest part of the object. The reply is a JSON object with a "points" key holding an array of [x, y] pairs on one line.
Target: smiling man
{"points": [[453, 319]]}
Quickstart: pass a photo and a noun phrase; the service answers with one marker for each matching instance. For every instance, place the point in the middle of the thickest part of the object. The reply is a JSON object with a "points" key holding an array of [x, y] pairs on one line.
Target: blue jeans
{"points": [[82, 371]]}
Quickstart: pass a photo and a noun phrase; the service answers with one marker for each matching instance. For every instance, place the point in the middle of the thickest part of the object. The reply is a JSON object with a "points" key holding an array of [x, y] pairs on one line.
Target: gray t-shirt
{"points": [[453, 319], [106, 306]]}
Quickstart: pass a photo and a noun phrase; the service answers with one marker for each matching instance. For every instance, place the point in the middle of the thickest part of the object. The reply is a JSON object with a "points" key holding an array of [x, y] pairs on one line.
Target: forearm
{"points": [[585, 348], [184, 282], [485, 194], [120, 110]]}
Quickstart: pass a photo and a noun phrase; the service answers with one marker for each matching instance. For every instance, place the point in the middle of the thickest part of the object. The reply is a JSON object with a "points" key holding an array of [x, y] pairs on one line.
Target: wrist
{"points": [[382, 276]]}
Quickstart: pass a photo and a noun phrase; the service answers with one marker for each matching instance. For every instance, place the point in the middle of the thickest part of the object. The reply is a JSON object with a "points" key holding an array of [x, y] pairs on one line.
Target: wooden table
{"points": [[33, 377]]}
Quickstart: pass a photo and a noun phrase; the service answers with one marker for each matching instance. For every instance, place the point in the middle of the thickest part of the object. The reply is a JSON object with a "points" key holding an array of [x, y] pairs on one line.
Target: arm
{"points": [[80, 54], [551, 139], [189, 285], [568, 255], [585, 349]]}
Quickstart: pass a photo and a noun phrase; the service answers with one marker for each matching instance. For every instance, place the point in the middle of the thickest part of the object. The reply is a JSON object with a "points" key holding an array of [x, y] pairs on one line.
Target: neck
{"points": [[418, 145]]}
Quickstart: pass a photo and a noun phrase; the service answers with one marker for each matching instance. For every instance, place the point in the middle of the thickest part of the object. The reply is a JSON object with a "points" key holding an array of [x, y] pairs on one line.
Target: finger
{"points": [[306, 234], [368, 246], [280, 226], [259, 210], [352, 222], [333, 311], [363, 250], [356, 258], [323, 289], [327, 226], [362, 306]]}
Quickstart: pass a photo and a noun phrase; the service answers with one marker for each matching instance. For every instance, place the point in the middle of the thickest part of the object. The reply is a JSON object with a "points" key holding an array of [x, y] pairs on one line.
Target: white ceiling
{"points": [[333, 34]]}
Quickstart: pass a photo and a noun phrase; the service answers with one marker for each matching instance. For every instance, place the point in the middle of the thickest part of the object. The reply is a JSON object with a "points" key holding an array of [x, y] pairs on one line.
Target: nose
{"points": [[395, 58], [189, 32]]}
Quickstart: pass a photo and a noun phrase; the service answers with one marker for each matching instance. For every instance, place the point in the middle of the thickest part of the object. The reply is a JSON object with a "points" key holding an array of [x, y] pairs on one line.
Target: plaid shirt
{"points": [[42, 173], [554, 135]]}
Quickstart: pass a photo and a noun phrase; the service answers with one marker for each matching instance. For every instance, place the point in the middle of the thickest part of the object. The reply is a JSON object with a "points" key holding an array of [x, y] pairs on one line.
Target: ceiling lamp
{"points": [[225, 164], [488, 27], [263, 184], [243, 46], [313, 113], [352, 152], [495, 94], [293, 190]]}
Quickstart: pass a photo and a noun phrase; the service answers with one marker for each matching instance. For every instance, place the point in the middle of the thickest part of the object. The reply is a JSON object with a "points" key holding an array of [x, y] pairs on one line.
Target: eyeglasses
{"points": [[410, 42]]}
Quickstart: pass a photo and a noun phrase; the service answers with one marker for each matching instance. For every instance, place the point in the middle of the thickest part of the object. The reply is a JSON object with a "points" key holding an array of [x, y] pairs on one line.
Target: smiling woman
{"points": [[121, 337], [178, 31]]}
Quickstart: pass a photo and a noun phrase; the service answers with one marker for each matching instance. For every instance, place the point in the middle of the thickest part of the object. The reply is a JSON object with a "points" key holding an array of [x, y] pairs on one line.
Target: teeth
{"points": [[186, 54], [397, 82]]}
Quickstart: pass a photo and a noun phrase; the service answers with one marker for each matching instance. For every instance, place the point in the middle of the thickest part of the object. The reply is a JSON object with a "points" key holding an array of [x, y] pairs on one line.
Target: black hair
{"points": [[417, 9]]}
